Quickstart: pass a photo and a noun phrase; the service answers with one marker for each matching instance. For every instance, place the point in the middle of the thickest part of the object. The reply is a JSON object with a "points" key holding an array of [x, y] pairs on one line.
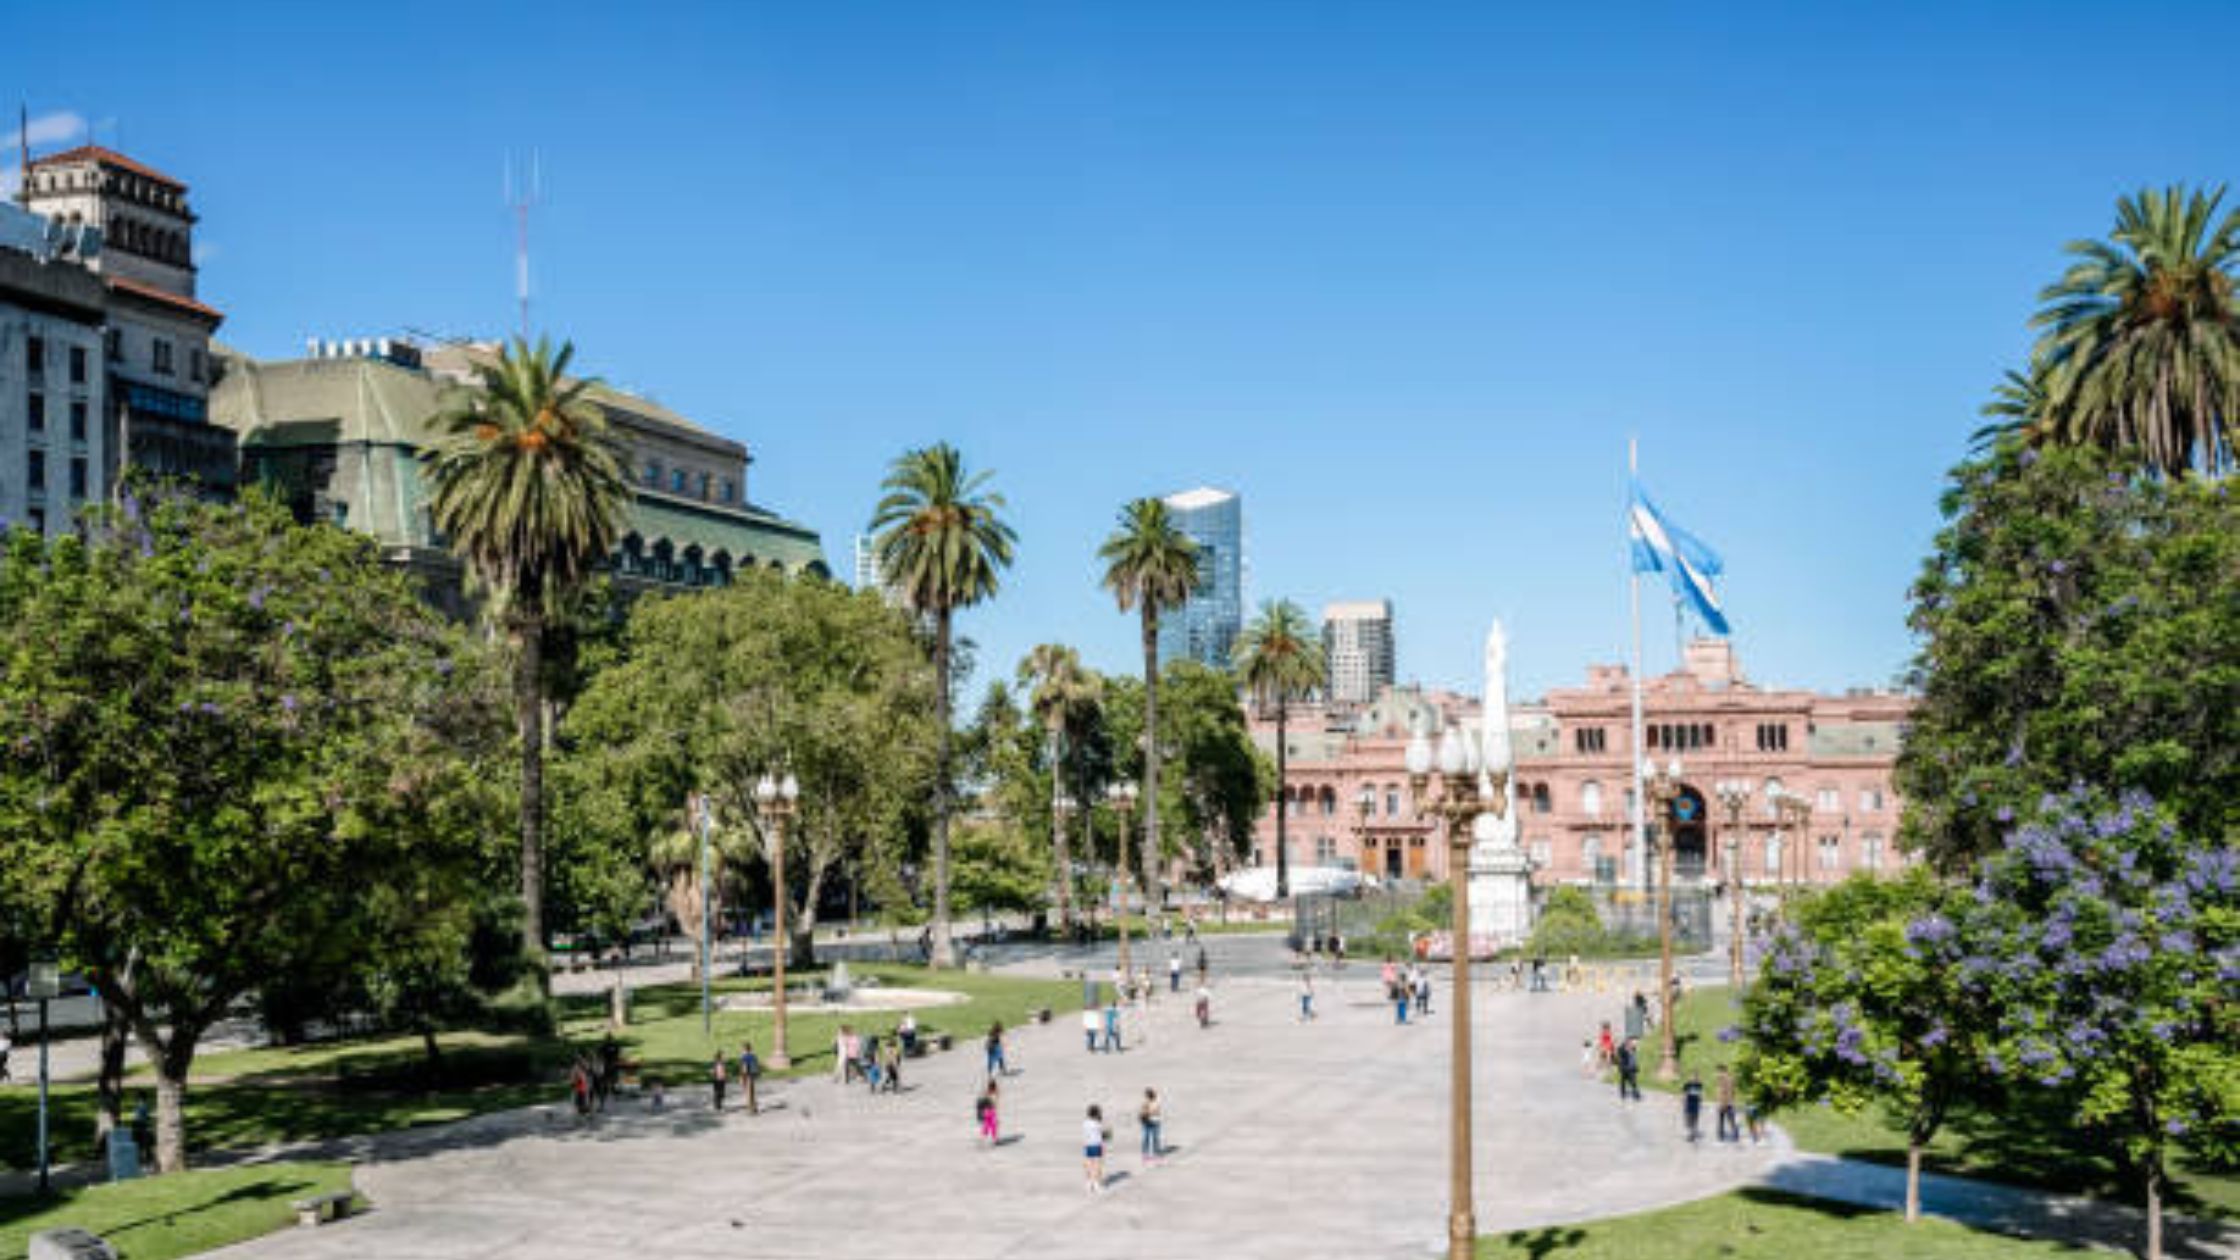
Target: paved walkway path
{"points": [[1321, 1139]]}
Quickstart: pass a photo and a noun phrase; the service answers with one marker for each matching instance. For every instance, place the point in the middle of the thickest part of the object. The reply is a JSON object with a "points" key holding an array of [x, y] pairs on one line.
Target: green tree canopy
{"points": [[718, 688], [233, 750], [2079, 624], [1150, 566]]}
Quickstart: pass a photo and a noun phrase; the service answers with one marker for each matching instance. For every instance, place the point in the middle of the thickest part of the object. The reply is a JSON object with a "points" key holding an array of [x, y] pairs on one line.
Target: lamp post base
{"points": [[1462, 1236]]}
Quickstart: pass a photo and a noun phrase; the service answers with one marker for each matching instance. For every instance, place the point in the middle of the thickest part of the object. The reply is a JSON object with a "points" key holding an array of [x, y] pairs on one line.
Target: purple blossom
{"points": [[1730, 1034], [1930, 929], [2126, 952], [2005, 814], [1937, 1035], [2058, 567], [288, 703], [256, 598], [2175, 1128]]}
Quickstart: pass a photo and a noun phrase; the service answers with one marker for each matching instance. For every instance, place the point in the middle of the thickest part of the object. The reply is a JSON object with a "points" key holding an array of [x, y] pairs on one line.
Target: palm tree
{"points": [[2142, 335], [528, 485], [2017, 409], [941, 543], [1151, 566], [1063, 690], [1279, 657]]}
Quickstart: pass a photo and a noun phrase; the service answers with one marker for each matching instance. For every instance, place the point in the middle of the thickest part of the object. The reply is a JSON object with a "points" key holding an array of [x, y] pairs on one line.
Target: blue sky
{"points": [[1406, 276]]}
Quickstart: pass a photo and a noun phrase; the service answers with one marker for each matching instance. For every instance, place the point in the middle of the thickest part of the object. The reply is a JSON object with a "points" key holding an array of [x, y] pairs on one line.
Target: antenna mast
{"points": [[520, 196], [23, 141]]}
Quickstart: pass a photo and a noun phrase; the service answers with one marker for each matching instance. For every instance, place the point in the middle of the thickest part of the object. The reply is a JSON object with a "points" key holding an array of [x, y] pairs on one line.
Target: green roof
{"points": [[742, 536]]}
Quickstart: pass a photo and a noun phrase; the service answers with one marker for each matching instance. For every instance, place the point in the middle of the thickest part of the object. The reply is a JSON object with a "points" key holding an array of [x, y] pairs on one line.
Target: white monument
{"points": [[1500, 874]]}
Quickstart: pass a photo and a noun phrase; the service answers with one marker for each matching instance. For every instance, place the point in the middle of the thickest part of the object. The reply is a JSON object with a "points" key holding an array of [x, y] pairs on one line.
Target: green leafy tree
{"points": [[1064, 694], [227, 744], [2079, 624], [2141, 340], [2105, 942], [528, 485], [1280, 659], [1213, 781], [1860, 1005], [1151, 566], [943, 543], [1000, 869], [717, 688]]}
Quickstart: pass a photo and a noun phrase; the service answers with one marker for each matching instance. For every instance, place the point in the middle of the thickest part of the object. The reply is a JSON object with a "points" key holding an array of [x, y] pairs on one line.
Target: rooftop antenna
{"points": [[23, 149], [521, 194]]}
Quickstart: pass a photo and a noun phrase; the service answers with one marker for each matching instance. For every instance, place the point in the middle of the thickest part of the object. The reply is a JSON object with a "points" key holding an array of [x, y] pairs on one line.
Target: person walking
{"points": [[985, 1111], [579, 1086], [1205, 1006], [1723, 1084], [1090, 1024], [750, 1076], [1391, 975], [844, 1052], [716, 1080], [996, 1065], [1400, 1003], [1112, 1026], [1629, 1070], [1205, 965], [868, 1064], [1691, 1106], [1306, 996], [1150, 1116], [1605, 1046], [907, 1032], [890, 1065], [1423, 991], [1093, 1137], [1174, 971]]}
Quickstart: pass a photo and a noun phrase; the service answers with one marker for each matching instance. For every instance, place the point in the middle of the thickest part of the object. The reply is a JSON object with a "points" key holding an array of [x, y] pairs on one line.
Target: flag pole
{"points": [[1633, 579]]}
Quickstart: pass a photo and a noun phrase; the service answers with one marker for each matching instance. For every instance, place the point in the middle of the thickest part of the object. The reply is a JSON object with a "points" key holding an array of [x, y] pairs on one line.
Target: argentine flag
{"points": [[1659, 546]]}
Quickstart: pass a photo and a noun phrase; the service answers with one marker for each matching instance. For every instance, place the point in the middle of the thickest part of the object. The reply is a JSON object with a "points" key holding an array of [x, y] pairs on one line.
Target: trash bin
{"points": [[124, 1156]]}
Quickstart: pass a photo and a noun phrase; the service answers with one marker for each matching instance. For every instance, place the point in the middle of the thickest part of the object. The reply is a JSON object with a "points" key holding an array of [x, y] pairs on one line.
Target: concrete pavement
{"points": [[1292, 1139]]}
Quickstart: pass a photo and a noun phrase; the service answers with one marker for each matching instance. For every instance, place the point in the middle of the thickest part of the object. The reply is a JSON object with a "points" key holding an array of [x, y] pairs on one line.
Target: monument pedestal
{"points": [[1500, 896]]}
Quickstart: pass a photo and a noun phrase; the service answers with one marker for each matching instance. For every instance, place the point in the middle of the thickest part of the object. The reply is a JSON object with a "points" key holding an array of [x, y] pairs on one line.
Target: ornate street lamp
{"points": [[1123, 797], [702, 815], [1664, 789], [1465, 780], [777, 799], [1734, 797]]}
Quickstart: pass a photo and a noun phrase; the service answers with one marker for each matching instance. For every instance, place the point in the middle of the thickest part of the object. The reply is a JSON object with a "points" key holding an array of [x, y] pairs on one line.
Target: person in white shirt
{"points": [[1092, 1148]]}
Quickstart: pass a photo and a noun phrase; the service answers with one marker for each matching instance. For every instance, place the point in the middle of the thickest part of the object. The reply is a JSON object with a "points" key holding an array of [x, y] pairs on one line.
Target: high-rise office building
{"points": [[867, 563], [1205, 627], [1357, 649]]}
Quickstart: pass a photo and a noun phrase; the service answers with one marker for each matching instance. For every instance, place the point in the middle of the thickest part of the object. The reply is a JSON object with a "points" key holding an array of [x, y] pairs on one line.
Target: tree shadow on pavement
{"points": [[1544, 1242]]}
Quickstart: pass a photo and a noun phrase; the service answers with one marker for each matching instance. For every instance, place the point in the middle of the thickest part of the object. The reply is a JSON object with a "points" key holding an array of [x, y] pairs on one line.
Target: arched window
{"points": [[1590, 798], [1392, 800], [1773, 855], [1590, 857], [1540, 802], [1329, 801], [1773, 794]]}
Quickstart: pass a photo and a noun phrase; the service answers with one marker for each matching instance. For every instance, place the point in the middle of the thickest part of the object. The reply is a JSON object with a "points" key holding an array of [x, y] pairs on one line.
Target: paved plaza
{"points": [[1290, 1140]]}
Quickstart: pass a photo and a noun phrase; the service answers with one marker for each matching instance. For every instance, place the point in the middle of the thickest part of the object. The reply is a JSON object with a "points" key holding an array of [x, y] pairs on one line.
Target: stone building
{"points": [[1574, 784], [340, 434], [157, 348], [54, 450]]}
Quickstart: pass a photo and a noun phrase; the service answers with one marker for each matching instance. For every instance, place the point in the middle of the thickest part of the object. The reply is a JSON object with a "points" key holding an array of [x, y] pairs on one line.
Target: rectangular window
{"points": [[676, 481], [728, 490], [1830, 801], [161, 360], [115, 347], [194, 365], [77, 419], [78, 477], [1831, 851], [1391, 803], [38, 520], [1870, 800], [653, 473], [77, 365], [36, 412], [35, 470], [35, 355]]}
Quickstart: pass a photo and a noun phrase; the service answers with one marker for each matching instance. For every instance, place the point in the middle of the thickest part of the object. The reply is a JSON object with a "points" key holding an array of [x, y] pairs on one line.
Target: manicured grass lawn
{"points": [[2016, 1144], [156, 1218], [1763, 1225], [250, 1098]]}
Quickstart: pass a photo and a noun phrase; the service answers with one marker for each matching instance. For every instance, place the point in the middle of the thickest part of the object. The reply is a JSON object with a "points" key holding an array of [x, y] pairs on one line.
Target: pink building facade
{"points": [[1347, 795]]}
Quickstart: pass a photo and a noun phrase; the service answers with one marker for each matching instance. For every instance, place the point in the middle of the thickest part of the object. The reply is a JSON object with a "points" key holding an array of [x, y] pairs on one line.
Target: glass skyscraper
{"points": [[1205, 627]]}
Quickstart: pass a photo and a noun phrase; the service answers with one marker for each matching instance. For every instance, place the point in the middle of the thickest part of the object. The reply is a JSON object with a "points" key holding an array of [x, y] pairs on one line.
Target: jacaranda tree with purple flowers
{"points": [[2104, 943], [1859, 1005]]}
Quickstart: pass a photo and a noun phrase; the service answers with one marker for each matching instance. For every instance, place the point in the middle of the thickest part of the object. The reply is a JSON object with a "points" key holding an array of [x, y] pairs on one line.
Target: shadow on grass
{"points": [[1542, 1243]]}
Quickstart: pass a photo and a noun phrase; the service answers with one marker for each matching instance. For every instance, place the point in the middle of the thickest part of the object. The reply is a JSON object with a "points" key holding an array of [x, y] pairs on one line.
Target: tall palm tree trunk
{"points": [[1283, 805], [1058, 825], [528, 695], [943, 954], [1150, 756]]}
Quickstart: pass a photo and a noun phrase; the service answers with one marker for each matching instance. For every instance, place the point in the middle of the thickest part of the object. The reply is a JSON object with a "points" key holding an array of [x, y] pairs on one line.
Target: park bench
{"points": [[321, 1208]]}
